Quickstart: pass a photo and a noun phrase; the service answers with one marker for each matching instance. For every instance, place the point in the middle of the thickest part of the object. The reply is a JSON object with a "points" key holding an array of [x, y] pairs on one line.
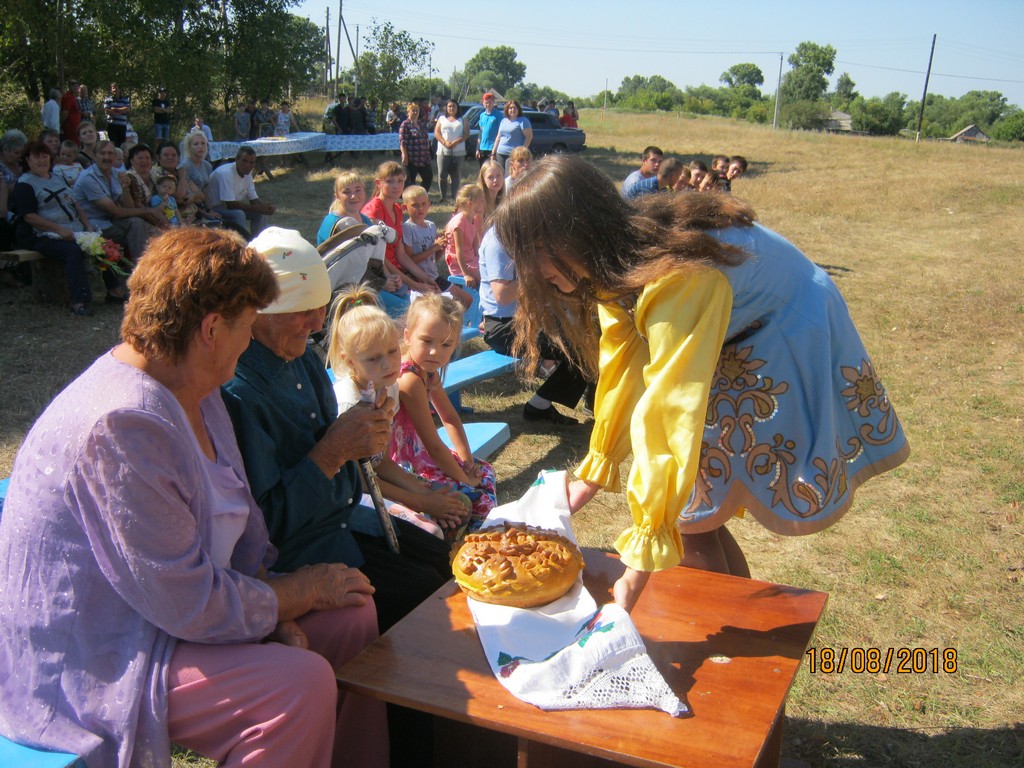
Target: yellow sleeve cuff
{"points": [[600, 469], [644, 549]]}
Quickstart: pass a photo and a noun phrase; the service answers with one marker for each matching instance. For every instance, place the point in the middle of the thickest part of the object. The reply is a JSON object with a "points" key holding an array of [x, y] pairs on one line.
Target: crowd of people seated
{"points": [[108, 182]]}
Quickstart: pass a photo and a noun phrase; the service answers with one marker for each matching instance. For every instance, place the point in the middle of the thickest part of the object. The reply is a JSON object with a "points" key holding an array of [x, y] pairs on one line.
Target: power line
{"points": [[934, 74]]}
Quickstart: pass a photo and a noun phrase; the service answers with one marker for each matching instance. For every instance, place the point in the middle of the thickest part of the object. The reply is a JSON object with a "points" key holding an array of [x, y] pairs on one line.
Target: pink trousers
{"points": [[273, 705]]}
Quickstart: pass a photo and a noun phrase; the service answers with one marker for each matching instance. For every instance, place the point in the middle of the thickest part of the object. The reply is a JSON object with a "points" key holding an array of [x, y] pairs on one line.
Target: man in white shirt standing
{"points": [[232, 194], [51, 111]]}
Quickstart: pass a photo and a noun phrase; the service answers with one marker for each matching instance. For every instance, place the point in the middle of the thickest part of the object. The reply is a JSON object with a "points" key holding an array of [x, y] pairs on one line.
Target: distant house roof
{"points": [[837, 121], [497, 96], [970, 133]]}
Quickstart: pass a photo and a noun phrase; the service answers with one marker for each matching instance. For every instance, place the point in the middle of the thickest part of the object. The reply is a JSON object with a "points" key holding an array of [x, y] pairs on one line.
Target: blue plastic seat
{"points": [[16, 756], [479, 367], [485, 437]]}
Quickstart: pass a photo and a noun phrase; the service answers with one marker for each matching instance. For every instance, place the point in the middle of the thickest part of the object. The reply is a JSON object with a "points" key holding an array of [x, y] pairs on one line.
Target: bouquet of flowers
{"points": [[107, 253]]}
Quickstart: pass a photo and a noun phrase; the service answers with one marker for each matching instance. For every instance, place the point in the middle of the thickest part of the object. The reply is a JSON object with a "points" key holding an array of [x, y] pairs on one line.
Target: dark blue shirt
{"points": [[279, 410]]}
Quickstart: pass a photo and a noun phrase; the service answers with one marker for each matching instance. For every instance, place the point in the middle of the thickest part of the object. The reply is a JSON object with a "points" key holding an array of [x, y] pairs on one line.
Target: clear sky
{"points": [[578, 47]]}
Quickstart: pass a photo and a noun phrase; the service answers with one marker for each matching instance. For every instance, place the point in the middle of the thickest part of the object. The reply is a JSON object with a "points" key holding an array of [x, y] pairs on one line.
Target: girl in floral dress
{"points": [[365, 355], [431, 336]]}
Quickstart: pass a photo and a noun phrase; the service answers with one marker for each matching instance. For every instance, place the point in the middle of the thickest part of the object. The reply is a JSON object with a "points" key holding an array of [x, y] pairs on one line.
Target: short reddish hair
{"points": [[184, 275]]}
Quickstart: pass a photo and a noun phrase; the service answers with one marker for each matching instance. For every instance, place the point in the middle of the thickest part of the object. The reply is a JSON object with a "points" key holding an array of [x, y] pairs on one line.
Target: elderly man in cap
{"points": [[300, 455]]}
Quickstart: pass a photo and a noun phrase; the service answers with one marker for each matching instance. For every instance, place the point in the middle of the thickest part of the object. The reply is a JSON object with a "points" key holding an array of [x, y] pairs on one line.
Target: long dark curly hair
{"points": [[568, 212]]}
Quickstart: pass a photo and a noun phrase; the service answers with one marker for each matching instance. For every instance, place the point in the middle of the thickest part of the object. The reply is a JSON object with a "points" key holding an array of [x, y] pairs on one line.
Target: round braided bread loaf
{"points": [[516, 565]]}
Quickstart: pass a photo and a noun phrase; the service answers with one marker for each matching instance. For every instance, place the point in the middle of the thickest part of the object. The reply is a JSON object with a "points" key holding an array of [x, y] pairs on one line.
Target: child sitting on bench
{"points": [[366, 356], [432, 329]]}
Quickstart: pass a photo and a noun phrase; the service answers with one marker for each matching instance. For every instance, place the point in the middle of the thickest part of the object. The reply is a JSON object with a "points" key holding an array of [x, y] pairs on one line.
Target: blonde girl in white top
{"points": [[366, 356]]}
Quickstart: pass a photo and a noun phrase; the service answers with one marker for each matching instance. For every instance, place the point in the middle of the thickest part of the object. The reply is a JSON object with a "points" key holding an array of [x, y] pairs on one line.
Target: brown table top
{"points": [[729, 647]]}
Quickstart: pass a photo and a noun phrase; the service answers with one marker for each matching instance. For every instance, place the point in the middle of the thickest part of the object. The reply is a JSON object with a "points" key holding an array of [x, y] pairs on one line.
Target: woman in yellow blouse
{"points": [[727, 364]]}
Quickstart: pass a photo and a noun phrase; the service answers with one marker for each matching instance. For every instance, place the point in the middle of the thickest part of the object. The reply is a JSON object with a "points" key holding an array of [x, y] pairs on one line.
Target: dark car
{"points": [[548, 135]]}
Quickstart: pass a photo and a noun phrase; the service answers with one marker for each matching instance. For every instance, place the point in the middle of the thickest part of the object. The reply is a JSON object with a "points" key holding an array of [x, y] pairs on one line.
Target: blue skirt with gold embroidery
{"points": [[797, 417]]}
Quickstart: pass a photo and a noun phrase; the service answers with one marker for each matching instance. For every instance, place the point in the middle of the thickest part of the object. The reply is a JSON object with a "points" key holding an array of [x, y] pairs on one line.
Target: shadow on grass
{"points": [[834, 270], [535, 446], [852, 745]]}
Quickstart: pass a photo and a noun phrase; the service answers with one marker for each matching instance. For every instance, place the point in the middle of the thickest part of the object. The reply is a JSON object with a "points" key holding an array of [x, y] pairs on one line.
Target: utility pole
{"points": [[778, 95], [327, 53], [355, 55], [927, 75], [337, 55]]}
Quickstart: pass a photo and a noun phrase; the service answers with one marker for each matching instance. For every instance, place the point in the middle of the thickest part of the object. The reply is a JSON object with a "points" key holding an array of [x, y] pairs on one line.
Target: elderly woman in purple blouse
{"points": [[134, 597]]}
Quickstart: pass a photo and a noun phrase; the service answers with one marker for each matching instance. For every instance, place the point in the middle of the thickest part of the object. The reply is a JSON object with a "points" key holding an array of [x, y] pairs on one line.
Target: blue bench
{"points": [[479, 367], [17, 756], [485, 437], [473, 316]]}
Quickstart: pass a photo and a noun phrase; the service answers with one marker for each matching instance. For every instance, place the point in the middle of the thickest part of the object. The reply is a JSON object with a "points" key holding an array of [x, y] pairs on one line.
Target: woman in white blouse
{"points": [[450, 132]]}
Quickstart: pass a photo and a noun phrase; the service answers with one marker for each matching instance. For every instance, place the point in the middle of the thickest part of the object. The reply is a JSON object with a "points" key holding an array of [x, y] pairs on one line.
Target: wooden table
{"points": [[730, 648]]}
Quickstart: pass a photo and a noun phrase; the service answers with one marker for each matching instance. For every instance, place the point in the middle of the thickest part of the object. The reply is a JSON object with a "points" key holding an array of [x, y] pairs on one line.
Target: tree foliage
{"points": [[391, 55], [647, 94], [944, 116], [808, 79], [1010, 128], [879, 117], [739, 75], [844, 93], [205, 51], [741, 99], [803, 115], [499, 66], [261, 70], [419, 87]]}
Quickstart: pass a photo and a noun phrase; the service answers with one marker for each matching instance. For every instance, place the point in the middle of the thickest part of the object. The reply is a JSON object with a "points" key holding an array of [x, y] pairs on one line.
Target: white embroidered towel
{"points": [[568, 654]]}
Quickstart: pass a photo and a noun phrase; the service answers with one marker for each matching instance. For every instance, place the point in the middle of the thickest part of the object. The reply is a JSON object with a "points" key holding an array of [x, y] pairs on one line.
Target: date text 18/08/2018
{"points": [[873, 661]]}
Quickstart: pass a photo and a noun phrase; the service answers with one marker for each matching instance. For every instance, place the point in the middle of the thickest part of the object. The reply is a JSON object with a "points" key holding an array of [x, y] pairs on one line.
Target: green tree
{"points": [[740, 99], [648, 93], [808, 79], [983, 108], [705, 100], [501, 63], [204, 51], [879, 117], [257, 68], [421, 87], [647, 100], [390, 57], [1010, 127], [599, 100], [739, 75], [945, 116], [845, 92], [803, 115], [631, 85]]}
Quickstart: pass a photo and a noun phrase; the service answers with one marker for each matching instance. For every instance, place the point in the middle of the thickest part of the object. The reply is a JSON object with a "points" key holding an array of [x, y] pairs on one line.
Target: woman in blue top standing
{"points": [[514, 131]]}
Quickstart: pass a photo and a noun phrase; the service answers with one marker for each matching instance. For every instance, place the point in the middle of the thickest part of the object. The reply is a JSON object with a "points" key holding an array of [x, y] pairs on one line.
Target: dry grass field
{"points": [[925, 241]]}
